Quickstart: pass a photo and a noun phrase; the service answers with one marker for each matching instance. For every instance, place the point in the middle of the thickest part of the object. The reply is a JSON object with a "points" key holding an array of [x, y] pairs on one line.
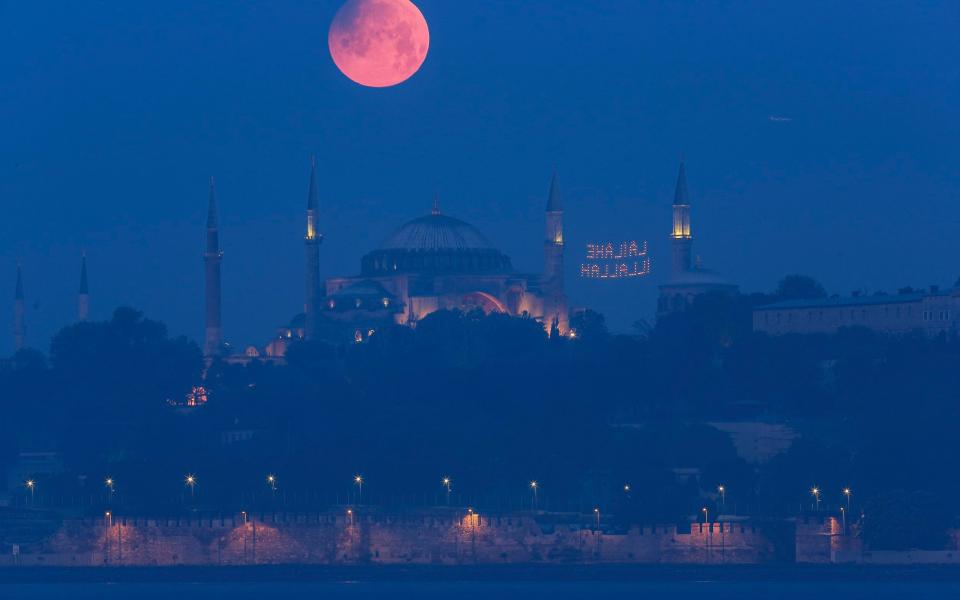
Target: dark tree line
{"points": [[494, 402]]}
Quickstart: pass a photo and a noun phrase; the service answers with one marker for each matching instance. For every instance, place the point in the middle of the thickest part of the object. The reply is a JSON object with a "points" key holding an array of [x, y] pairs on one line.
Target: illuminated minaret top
{"points": [[682, 239], [83, 296], [313, 238], [313, 203]]}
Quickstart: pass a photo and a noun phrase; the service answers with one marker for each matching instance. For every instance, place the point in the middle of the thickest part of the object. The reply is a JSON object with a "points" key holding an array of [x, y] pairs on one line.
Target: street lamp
{"points": [[723, 496], [534, 487], [109, 517], [596, 512], [272, 482], [191, 482], [847, 492], [626, 488], [706, 515], [843, 513], [109, 483], [447, 483], [350, 516], [358, 480], [31, 485], [243, 514], [815, 492]]}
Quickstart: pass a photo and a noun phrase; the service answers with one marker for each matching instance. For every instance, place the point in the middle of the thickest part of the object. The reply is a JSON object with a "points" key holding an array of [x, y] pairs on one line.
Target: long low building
{"points": [[932, 312]]}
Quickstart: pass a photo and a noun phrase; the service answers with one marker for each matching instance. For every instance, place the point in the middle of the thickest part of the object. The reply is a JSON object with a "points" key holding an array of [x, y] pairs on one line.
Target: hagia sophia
{"points": [[430, 263]]}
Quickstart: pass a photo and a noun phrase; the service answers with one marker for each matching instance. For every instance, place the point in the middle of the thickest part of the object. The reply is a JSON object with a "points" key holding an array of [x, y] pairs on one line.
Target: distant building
{"points": [[758, 442], [929, 312], [687, 279]]}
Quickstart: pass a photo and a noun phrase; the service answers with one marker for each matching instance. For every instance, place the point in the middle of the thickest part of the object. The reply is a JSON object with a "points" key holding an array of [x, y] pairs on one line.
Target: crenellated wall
{"points": [[383, 539]]}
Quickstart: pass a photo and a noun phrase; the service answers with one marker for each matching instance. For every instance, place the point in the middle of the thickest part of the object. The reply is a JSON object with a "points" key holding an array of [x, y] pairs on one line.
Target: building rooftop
{"points": [[849, 301], [435, 232]]}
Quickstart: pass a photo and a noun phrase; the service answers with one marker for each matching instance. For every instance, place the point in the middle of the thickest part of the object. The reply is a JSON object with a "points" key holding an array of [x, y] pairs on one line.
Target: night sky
{"points": [[115, 114]]}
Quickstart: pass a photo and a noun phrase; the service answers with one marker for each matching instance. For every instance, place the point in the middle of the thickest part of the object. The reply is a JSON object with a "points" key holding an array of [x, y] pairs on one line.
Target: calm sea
{"points": [[576, 590]]}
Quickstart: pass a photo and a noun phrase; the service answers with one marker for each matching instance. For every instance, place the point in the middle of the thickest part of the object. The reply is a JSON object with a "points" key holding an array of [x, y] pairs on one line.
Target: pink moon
{"points": [[379, 43]]}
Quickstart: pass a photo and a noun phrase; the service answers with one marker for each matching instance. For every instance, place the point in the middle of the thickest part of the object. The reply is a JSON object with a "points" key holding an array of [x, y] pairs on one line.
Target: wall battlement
{"points": [[410, 538]]}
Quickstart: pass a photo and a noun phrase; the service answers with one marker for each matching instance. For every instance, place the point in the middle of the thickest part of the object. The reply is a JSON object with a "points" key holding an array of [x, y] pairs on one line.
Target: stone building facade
{"points": [[930, 313]]}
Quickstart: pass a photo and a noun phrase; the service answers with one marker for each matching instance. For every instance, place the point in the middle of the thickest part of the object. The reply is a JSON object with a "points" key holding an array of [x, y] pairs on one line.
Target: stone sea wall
{"points": [[331, 539]]}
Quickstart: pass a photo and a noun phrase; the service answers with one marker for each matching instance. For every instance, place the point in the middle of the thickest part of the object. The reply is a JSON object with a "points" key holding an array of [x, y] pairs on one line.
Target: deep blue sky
{"points": [[114, 114]]}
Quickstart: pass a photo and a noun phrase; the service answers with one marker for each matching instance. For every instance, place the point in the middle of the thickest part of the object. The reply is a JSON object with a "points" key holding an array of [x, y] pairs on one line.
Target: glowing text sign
{"points": [[622, 260]]}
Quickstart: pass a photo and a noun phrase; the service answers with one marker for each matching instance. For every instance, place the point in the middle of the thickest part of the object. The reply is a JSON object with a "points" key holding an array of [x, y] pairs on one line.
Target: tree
{"points": [[798, 287], [900, 520]]}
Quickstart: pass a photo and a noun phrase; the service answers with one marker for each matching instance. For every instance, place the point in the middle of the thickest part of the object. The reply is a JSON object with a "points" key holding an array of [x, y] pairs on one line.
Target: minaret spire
{"points": [[213, 338], [83, 297], [19, 312], [555, 299], [681, 236], [312, 241]]}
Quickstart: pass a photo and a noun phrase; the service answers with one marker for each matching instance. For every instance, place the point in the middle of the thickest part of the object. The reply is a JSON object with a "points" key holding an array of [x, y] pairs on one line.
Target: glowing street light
{"points": [[723, 496], [191, 482], [847, 492], [534, 487], [815, 492], [706, 515], [243, 514], [109, 517], [350, 516], [447, 483], [109, 483], [596, 512], [32, 486], [843, 513], [358, 481], [272, 482]]}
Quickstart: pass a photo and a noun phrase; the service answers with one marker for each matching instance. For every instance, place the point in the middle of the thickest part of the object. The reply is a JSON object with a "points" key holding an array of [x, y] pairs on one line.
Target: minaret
{"points": [[212, 258], [682, 242], [555, 304], [19, 327], [83, 297], [312, 240]]}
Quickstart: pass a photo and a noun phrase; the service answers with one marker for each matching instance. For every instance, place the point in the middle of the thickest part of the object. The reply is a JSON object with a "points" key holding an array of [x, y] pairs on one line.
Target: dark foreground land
{"points": [[500, 573]]}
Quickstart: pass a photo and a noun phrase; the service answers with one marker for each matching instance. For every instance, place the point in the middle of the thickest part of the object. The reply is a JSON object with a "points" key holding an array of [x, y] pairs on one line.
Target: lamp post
{"points": [[706, 515], [843, 514], [596, 513], [350, 516], [447, 483], [272, 482], [109, 483], [626, 489], [32, 486], [109, 517], [191, 482], [358, 481], [847, 492], [534, 487], [723, 497], [815, 492]]}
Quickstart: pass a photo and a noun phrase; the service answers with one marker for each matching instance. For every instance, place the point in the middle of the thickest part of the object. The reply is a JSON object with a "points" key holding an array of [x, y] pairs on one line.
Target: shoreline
{"points": [[460, 573]]}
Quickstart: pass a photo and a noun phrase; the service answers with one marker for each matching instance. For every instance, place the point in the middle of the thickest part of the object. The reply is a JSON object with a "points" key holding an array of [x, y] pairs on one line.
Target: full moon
{"points": [[379, 43]]}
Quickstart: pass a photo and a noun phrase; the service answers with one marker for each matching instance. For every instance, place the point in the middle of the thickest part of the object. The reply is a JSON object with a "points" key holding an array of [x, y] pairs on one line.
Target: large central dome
{"points": [[436, 232], [435, 244]]}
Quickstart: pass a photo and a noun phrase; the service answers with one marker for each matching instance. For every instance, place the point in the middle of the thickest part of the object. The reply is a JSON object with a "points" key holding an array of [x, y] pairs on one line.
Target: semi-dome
{"points": [[436, 232], [433, 244]]}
